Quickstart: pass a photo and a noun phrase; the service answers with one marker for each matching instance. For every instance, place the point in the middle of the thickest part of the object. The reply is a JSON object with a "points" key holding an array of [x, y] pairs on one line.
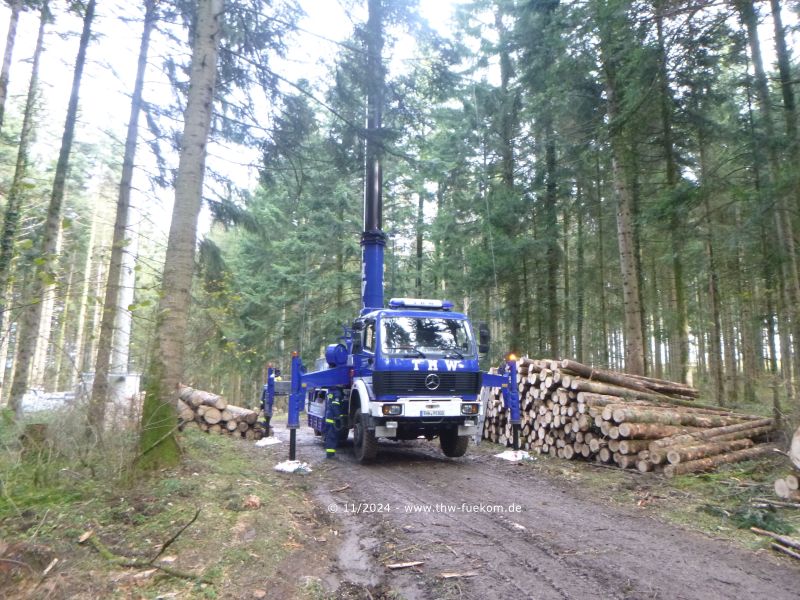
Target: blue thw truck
{"points": [[402, 371]]}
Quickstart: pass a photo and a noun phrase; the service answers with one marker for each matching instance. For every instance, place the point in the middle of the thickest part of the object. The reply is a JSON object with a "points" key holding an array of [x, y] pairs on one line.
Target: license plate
{"points": [[431, 413]]}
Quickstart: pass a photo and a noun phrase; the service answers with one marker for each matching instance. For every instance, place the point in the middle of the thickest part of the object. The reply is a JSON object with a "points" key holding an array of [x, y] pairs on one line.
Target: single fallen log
{"points": [[650, 431], [632, 446], [185, 412], [612, 377], [668, 387], [630, 414], [607, 389], [212, 416], [785, 550], [688, 453], [196, 398], [747, 429], [785, 540], [708, 464], [242, 414]]}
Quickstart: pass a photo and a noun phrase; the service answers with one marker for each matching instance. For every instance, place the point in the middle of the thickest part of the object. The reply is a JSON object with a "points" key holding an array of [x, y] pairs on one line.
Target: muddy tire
{"points": [[453, 445], [365, 444]]}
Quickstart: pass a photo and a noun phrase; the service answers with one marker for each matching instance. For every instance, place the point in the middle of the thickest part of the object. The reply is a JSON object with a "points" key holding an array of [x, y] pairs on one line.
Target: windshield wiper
{"points": [[407, 350], [452, 352]]}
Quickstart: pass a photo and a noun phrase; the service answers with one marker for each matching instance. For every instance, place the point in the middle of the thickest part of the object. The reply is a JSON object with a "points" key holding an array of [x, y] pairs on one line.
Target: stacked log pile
{"points": [[212, 414], [570, 410]]}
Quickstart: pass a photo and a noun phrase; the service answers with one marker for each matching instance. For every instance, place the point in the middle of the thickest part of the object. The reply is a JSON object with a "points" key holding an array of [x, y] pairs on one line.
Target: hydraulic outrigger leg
{"points": [[506, 380]]}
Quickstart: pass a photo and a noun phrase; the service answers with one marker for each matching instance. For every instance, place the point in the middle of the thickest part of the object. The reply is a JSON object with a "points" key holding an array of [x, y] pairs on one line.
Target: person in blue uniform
{"points": [[266, 402], [333, 412]]}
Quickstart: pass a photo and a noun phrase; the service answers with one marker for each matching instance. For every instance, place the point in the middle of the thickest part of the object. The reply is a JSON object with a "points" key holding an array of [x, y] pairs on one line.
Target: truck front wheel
{"points": [[365, 444], [453, 445]]}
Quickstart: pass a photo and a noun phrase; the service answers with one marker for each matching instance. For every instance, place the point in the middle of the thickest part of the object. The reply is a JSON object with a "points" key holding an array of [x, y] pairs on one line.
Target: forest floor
{"points": [[481, 528]]}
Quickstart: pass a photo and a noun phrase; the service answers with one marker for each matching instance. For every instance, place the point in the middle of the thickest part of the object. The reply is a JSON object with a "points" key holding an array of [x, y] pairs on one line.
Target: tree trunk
{"points": [[783, 223], [790, 173], [626, 228], [579, 277], [632, 163], [61, 356], [750, 336], [634, 340], [5, 344], [13, 202], [787, 92], [604, 342], [43, 342], [568, 329], [677, 226], [420, 225], [158, 446], [715, 346], [16, 5], [32, 314], [508, 124], [83, 299], [551, 237], [118, 297]]}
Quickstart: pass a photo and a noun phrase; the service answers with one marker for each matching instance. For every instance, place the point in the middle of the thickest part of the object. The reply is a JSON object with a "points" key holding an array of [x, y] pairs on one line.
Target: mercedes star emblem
{"points": [[432, 382]]}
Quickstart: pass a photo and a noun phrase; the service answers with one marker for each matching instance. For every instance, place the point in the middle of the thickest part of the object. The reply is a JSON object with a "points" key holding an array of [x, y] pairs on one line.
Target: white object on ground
{"points": [[293, 466], [268, 441], [514, 455]]}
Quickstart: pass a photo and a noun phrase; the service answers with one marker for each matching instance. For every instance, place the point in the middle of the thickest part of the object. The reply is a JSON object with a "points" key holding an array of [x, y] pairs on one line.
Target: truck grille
{"points": [[400, 383]]}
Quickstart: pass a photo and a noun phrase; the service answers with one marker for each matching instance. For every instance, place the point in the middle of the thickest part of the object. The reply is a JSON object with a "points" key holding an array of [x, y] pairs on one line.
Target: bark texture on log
{"points": [[708, 464]]}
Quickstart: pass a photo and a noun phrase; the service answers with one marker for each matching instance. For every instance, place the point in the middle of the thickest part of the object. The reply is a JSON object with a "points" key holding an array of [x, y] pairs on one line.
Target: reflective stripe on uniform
{"points": [[336, 402], [330, 450], [329, 421]]}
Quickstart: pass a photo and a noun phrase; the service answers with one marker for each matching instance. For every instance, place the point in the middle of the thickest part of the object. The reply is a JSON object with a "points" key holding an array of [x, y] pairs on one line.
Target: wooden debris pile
{"points": [[788, 488], [212, 414], [570, 410]]}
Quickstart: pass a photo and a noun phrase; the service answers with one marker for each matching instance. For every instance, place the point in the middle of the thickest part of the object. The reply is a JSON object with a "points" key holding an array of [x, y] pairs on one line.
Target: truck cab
{"points": [[413, 373]]}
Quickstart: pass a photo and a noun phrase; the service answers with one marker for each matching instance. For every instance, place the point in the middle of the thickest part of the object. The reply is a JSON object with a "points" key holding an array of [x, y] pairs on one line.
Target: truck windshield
{"points": [[426, 336]]}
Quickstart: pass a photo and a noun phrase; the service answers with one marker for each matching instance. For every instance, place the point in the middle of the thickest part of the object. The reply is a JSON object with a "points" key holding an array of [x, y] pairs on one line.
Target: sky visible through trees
{"points": [[608, 180]]}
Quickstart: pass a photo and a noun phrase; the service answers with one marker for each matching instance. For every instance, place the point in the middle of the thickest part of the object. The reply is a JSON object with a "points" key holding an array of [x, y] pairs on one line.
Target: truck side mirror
{"points": [[483, 338]]}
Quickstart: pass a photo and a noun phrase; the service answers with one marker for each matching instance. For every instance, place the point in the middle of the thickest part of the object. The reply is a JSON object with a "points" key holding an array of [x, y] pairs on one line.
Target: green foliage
{"points": [[746, 517]]}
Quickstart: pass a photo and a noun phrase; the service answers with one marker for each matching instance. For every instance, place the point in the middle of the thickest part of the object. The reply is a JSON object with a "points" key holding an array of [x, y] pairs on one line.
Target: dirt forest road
{"points": [[549, 541]]}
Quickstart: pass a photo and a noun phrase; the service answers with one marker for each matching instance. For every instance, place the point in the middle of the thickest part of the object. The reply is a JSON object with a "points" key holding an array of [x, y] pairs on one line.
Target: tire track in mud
{"points": [[563, 545], [520, 562]]}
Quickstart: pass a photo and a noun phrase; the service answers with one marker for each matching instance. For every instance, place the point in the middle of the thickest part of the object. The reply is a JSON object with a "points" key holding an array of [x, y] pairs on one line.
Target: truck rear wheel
{"points": [[453, 445], [365, 444]]}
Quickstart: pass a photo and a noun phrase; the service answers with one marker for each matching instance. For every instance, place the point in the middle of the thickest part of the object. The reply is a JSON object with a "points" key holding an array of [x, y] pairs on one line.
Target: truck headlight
{"points": [[470, 409], [392, 409]]}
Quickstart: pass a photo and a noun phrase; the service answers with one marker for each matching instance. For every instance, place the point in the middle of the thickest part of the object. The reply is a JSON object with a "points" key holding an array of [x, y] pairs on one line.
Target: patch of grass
{"points": [[235, 547]]}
